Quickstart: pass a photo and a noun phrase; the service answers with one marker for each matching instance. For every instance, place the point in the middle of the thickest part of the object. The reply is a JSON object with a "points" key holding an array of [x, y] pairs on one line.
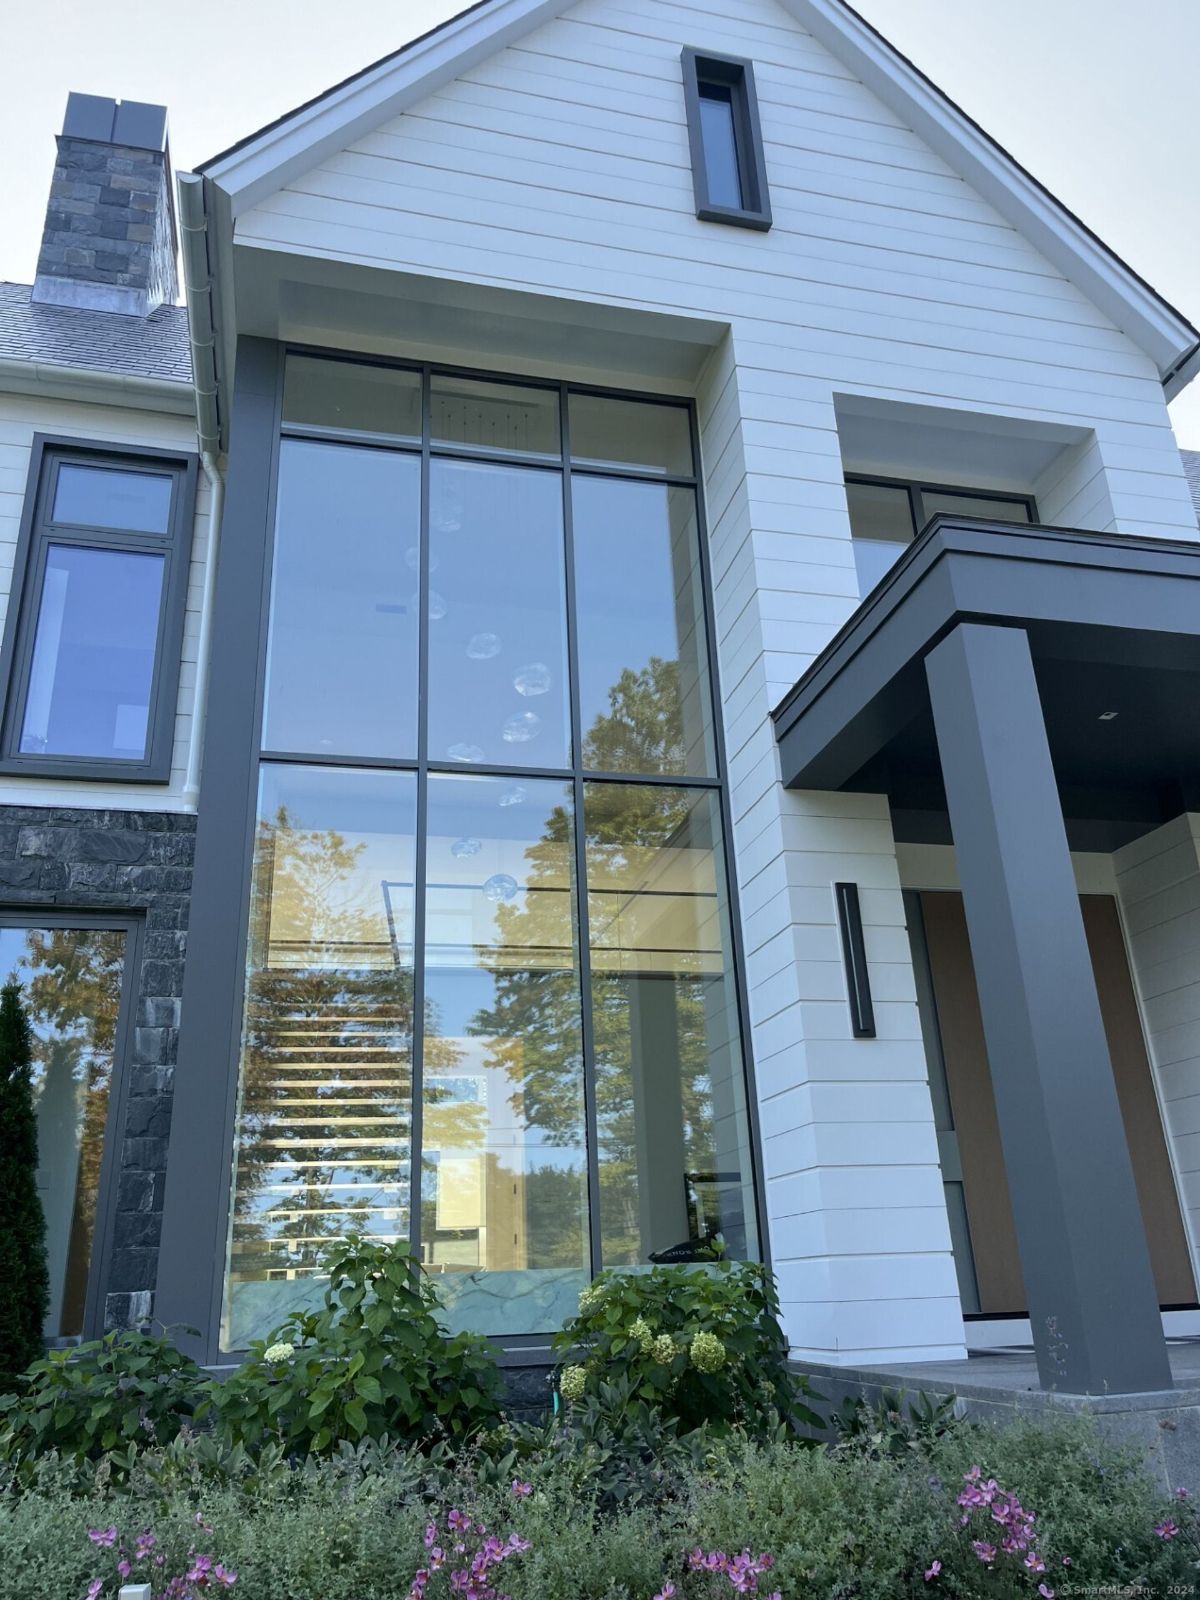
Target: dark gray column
{"points": [[199, 1156], [1092, 1300]]}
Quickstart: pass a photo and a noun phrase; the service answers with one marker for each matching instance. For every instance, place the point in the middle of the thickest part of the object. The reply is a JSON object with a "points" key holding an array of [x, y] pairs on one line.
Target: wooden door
{"points": [[995, 1267]]}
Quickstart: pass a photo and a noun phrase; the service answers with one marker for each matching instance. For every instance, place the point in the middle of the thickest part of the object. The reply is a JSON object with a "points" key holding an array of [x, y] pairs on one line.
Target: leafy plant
{"points": [[373, 1361], [120, 1391], [22, 1224], [702, 1344], [890, 1426]]}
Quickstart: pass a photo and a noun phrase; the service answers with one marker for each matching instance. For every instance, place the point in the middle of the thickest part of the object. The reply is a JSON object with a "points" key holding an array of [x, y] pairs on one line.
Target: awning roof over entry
{"points": [[1114, 627]]}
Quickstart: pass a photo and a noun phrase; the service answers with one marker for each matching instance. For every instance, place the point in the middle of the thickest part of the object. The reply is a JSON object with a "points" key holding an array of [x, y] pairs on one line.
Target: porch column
{"points": [[1092, 1300]]}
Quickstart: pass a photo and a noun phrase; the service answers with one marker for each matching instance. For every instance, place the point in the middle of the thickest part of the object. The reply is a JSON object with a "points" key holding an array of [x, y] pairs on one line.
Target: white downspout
{"points": [[198, 283], [216, 510]]}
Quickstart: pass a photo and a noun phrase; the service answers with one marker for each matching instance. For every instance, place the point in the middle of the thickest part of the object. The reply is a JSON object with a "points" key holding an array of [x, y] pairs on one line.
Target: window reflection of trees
{"points": [[71, 985]]}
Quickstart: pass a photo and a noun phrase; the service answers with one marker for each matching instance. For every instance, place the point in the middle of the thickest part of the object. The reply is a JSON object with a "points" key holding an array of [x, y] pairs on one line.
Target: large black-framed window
{"points": [[729, 168], [886, 514], [493, 994], [76, 971], [94, 632]]}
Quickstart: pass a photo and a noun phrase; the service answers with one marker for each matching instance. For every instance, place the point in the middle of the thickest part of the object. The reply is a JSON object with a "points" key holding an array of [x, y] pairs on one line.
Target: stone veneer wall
{"points": [[123, 861]]}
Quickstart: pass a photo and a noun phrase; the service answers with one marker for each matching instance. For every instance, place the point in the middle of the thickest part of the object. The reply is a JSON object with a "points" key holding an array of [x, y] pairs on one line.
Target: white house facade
{"points": [[694, 700]]}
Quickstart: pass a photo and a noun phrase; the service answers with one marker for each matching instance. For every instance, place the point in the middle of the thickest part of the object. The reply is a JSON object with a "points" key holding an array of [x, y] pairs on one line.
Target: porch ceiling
{"points": [[1114, 625]]}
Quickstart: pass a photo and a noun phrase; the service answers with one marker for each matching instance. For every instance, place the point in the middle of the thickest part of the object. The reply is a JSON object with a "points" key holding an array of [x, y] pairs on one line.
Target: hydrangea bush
{"points": [[702, 1343]]}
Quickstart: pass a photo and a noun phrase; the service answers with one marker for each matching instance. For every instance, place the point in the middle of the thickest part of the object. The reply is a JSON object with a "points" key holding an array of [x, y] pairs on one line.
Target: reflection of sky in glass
{"points": [[342, 651], [497, 535], [649, 530]]}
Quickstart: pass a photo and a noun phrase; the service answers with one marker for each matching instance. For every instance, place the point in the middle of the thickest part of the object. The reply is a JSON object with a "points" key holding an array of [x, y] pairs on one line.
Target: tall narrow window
{"points": [[70, 981], [729, 173], [491, 1006], [93, 639]]}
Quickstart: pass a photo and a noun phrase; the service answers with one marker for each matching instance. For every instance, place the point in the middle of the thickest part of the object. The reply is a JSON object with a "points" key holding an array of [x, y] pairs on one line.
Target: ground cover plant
{"points": [[678, 1473]]}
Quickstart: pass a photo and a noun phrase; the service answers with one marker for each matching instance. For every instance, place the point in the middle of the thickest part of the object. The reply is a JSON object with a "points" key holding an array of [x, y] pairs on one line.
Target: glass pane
{"points": [[92, 673], [879, 511], [504, 1216], [324, 1121], [70, 982], [348, 394], [495, 416], [106, 497], [968, 505], [630, 433], [873, 560], [644, 692], [674, 1145], [719, 135], [342, 653], [497, 617]]}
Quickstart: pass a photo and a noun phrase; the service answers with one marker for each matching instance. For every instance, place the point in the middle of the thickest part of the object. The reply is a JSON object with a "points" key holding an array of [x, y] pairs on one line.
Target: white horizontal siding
{"points": [[560, 167], [22, 416]]}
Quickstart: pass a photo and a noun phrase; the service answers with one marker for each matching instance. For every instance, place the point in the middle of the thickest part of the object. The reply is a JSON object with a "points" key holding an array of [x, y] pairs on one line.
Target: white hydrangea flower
{"points": [[279, 1352]]}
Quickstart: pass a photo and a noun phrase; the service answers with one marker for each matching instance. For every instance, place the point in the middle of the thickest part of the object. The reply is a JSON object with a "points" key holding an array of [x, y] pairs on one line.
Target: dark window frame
{"points": [[37, 532], [917, 488], [199, 1187], [737, 75], [133, 925]]}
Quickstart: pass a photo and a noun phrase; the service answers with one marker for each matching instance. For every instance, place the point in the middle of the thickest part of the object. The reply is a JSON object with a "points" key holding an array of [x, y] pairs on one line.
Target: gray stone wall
{"points": [[124, 861], [109, 238]]}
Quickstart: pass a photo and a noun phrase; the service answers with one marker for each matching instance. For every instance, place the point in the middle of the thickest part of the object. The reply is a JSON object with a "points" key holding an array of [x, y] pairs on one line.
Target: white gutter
{"points": [[198, 284], [51, 378], [198, 288]]}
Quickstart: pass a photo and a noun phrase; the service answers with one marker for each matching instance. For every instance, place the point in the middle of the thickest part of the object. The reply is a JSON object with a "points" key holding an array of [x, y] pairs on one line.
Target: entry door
{"points": [[977, 1197]]}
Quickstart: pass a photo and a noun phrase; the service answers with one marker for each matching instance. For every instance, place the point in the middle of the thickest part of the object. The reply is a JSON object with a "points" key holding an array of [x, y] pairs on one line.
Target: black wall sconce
{"points": [[854, 953]]}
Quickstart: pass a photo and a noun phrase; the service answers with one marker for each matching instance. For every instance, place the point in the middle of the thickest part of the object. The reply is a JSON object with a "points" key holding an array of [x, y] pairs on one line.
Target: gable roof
{"points": [[265, 161]]}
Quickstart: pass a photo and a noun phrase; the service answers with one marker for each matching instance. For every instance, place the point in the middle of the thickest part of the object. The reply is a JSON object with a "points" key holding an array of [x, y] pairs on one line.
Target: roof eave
{"points": [[1151, 322], [95, 385], [262, 164]]}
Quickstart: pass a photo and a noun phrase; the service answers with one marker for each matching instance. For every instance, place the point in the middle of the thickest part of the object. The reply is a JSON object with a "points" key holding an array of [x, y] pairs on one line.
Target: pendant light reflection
{"points": [[499, 888], [523, 727], [532, 679], [483, 646]]}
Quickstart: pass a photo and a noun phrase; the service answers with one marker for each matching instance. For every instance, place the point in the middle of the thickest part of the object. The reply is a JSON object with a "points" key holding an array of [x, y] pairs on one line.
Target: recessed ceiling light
{"points": [[1108, 716]]}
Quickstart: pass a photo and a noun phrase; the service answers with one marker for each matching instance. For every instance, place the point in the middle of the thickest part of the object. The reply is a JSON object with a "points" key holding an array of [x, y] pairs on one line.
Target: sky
{"points": [[1096, 97]]}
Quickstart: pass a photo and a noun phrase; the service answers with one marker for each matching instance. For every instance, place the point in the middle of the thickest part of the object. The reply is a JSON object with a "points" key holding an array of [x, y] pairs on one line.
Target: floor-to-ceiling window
{"points": [[490, 1000]]}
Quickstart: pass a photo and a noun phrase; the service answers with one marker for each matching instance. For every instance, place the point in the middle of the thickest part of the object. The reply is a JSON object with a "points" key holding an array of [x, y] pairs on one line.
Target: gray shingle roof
{"points": [[140, 347], [1191, 467]]}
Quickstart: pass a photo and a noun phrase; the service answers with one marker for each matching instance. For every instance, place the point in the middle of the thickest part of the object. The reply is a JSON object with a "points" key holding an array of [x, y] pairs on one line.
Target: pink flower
{"points": [[665, 1593], [123, 1568], [1182, 1494], [1167, 1529], [1034, 1562], [932, 1570], [985, 1552], [521, 1490], [1046, 1592], [224, 1576], [94, 1588], [103, 1536]]}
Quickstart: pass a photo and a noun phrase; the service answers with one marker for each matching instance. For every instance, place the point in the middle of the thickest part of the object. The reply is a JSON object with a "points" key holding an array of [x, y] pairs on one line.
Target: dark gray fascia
{"points": [[738, 74], [866, 683]]}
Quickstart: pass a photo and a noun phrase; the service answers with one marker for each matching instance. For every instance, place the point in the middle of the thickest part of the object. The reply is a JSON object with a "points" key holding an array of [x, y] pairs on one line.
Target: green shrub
{"points": [[127, 1388], [839, 1525], [703, 1344], [26, 1283], [374, 1362]]}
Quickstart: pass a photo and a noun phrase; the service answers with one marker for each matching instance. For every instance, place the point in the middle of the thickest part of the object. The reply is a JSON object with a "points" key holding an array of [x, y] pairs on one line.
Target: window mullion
{"points": [[591, 1133], [416, 1114]]}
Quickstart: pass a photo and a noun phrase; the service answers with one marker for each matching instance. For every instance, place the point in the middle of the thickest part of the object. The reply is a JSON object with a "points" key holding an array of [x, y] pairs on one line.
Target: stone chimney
{"points": [[110, 242]]}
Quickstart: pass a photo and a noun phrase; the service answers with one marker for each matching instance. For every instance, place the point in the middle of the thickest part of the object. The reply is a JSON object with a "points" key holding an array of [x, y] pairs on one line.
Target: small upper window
{"points": [[886, 514], [95, 619], [729, 172]]}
